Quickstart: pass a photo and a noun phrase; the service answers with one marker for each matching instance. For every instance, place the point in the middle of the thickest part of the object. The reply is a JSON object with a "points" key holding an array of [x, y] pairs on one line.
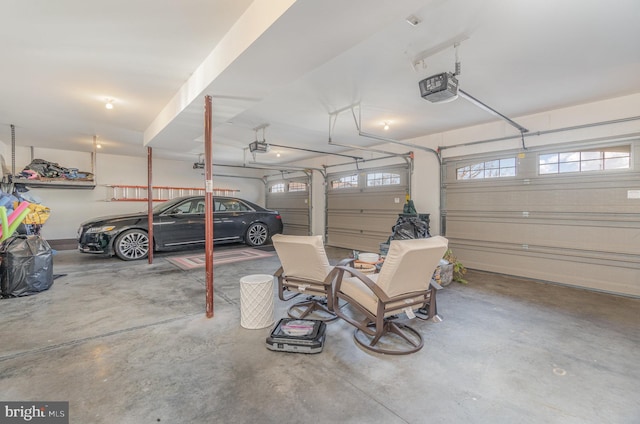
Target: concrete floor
{"points": [[128, 342]]}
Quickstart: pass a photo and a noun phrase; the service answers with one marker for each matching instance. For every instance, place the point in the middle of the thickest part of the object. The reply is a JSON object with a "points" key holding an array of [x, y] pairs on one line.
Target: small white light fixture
{"points": [[98, 146], [109, 104], [385, 125], [413, 20], [277, 154]]}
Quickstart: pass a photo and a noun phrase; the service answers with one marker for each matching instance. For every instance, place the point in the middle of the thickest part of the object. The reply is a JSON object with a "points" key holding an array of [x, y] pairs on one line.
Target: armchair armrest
{"points": [[279, 272], [435, 285], [365, 280], [346, 262]]}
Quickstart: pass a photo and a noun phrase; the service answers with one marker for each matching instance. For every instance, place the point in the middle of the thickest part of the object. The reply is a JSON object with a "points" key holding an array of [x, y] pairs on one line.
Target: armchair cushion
{"points": [[362, 294], [302, 257], [305, 269], [408, 267]]}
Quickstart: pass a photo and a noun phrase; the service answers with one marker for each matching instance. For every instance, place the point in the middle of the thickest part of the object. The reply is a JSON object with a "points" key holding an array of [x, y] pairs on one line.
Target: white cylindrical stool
{"points": [[256, 301]]}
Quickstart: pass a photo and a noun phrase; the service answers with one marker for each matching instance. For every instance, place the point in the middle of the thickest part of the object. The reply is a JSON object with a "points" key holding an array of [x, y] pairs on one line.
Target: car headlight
{"points": [[101, 229]]}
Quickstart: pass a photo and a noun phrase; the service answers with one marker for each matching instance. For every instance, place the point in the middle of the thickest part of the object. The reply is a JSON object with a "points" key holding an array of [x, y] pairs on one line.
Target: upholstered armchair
{"points": [[379, 302], [305, 272]]}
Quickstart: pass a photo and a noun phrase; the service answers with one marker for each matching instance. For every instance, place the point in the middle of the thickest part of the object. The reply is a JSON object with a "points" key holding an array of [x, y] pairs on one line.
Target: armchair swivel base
{"points": [[400, 339], [314, 306]]}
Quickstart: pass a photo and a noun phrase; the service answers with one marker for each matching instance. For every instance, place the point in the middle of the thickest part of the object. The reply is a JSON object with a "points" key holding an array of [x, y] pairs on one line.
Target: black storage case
{"points": [[297, 335]]}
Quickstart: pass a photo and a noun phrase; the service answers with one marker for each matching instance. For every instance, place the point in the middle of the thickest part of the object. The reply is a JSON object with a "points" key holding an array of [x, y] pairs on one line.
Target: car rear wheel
{"points": [[132, 245], [257, 234]]}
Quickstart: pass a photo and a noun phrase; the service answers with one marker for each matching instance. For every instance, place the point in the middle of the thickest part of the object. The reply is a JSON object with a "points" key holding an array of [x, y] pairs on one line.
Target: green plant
{"points": [[458, 269]]}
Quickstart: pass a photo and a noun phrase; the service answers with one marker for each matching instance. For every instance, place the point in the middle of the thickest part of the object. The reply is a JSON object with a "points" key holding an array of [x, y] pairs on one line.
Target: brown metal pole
{"points": [[150, 201], [208, 204]]}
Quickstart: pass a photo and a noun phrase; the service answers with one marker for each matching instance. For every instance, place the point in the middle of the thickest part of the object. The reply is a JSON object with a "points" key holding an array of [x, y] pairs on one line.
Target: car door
{"points": [[227, 220], [183, 224]]}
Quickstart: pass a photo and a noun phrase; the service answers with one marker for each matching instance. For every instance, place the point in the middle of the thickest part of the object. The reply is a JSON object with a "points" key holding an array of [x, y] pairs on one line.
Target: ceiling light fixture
{"points": [[109, 104], [413, 20], [386, 126]]}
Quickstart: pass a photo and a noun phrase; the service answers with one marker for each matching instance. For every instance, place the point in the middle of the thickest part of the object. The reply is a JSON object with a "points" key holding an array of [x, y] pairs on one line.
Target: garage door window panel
{"points": [[617, 157], [617, 160], [347, 181], [296, 186], [277, 188], [497, 168], [377, 179]]}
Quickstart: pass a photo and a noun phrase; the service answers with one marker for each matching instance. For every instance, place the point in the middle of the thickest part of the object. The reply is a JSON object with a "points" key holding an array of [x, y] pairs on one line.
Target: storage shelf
{"points": [[85, 185]]}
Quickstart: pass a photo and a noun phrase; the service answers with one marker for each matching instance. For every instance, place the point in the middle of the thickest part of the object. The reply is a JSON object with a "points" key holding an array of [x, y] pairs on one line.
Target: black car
{"points": [[177, 223]]}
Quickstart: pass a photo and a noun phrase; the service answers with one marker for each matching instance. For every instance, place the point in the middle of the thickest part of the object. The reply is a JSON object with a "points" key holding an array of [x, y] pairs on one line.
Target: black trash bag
{"points": [[409, 227], [26, 266]]}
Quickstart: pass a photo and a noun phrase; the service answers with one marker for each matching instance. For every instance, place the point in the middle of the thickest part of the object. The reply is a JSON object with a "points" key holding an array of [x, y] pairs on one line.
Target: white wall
{"points": [[69, 207], [318, 203]]}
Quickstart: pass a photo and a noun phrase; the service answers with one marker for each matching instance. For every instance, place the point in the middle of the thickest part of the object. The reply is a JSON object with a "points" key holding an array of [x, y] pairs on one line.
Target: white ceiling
{"points": [[288, 64]]}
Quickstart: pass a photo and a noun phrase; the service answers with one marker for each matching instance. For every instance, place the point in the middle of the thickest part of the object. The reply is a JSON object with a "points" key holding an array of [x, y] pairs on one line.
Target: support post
{"points": [[13, 150], [208, 204], [150, 201], [94, 156]]}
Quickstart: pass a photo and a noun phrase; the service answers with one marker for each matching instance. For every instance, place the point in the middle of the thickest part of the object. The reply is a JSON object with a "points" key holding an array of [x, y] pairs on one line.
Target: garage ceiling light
{"points": [[413, 20]]}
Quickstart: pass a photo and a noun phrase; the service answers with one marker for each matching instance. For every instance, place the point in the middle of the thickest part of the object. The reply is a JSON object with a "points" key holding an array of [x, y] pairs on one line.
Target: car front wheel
{"points": [[257, 234], [132, 245]]}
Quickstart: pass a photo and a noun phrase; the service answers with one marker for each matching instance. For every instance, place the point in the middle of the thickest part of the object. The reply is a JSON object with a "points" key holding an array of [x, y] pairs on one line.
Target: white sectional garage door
{"points": [[363, 206], [292, 199], [568, 214]]}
